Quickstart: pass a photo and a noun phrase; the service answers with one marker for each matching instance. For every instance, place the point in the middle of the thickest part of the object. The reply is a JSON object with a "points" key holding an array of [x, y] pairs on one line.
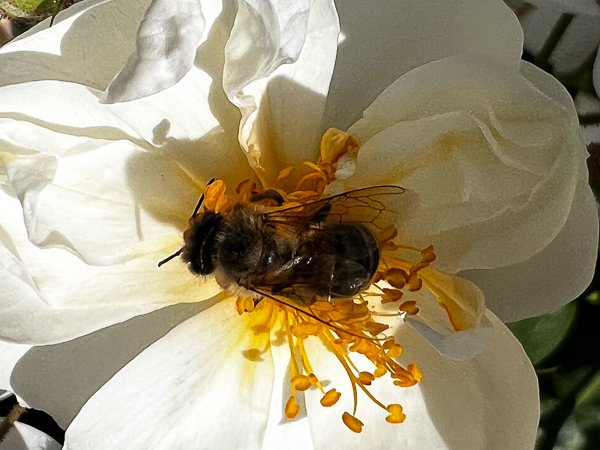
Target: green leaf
{"points": [[31, 9], [540, 336]]}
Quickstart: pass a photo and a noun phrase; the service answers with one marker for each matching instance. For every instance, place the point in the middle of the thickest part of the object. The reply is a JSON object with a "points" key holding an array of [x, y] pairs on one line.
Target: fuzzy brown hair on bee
{"points": [[322, 249]]}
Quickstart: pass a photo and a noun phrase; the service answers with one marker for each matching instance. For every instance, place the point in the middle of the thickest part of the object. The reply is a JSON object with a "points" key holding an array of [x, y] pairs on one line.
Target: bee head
{"points": [[200, 238]]}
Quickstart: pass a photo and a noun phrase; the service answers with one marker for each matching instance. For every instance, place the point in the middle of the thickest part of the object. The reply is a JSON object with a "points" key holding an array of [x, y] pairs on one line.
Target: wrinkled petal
{"points": [[24, 437], [165, 50], [494, 392], [280, 83], [513, 152], [276, 29], [66, 108], [554, 276], [451, 314], [202, 386], [66, 204], [50, 295], [385, 39], [79, 47]]}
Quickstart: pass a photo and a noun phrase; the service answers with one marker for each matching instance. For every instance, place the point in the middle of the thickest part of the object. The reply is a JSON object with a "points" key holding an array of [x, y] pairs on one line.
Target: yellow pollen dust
{"points": [[344, 326]]}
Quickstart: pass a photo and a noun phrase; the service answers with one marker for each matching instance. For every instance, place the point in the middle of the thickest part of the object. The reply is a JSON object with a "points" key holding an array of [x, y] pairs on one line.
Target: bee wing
{"points": [[371, 205]]}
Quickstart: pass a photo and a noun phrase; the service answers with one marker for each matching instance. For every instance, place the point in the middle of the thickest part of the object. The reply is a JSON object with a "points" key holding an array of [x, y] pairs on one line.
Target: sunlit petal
{"points": [[165, 50], [465, 118], [385, 39], [494, 392], [52, 296], [79, 47], [286, 76], [24, 437], [200, 383], [11, 354]]}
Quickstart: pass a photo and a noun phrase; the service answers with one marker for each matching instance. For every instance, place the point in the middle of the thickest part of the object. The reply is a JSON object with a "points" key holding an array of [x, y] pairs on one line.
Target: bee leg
{"points": [[270, 194]]}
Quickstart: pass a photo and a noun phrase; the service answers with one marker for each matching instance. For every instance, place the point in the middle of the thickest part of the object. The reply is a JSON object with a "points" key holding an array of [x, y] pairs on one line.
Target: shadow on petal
{"points": [[86, 52], [60, 378], [167, 183]]}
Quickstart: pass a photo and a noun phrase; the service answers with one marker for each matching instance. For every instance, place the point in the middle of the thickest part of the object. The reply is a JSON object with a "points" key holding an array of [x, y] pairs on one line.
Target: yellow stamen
{"points": [[352, 422], [415, 372], [343, 326], [396, 415], [330, 398], [365, 378], [409, 307], [395, 351], [301, 382], [396, 278], [291, 408], [391, 295]]}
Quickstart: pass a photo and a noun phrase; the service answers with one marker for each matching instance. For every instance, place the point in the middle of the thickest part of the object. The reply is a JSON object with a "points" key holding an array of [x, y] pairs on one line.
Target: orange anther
{"points": [[291, 408], [415, 372], [365, 378], [301, 382], [396, 415], [410, 307], [395, 351], [330, 398], [396, 277], [352, 422], [391, 295]]}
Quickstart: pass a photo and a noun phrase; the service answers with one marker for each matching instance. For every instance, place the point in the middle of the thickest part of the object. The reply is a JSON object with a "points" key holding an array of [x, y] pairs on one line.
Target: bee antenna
{"points": [[199, 204], [169, 258]]}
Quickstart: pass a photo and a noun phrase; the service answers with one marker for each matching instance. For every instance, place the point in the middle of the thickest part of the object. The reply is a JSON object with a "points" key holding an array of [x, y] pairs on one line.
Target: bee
{"points": [[323, 249]]}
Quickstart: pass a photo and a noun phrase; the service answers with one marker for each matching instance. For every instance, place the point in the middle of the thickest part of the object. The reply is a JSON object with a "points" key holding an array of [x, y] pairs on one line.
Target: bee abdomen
{"points": [[356, 259]]}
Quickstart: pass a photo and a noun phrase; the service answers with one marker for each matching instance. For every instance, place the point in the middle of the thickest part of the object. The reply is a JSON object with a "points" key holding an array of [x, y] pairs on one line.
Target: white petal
{"points": [[553, 277], [489, 402], [384, 40], [10, 354], [264, 35], [88, 43], [512, 151], [60, 378], [166, 46], [290, 98], [51, 295], [84, 202], [451, 314], [459, 345], [66, 108], [192, 387], [24, 437], [282, 432]]}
